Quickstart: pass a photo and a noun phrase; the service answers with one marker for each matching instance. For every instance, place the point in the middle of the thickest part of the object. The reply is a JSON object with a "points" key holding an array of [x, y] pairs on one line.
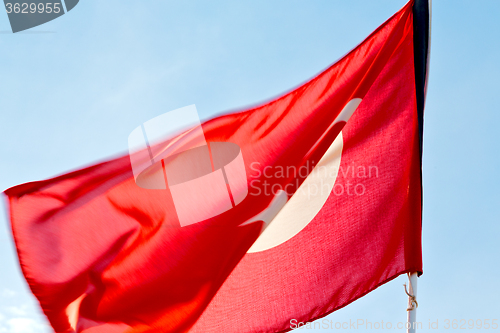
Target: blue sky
{"points": [[73, 89]]}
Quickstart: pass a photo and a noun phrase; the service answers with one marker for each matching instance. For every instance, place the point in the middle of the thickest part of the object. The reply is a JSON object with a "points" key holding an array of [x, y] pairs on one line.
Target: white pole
{"points": [[412, 304]]}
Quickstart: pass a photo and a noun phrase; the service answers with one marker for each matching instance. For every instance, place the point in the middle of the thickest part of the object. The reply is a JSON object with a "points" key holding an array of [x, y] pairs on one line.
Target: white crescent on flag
{"points": [[293, 216]]}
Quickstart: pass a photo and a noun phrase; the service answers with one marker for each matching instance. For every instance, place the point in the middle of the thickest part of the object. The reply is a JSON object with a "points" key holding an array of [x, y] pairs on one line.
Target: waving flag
{"points": [[329, 209]]}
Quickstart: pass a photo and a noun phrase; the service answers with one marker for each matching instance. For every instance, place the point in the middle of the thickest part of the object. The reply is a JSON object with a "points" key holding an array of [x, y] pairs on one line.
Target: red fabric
{"points": [[96, 236]]}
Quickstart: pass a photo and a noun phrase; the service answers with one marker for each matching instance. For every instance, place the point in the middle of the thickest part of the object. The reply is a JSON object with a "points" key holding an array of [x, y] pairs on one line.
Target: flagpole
{"points": [[422, 29], [411, 326]]}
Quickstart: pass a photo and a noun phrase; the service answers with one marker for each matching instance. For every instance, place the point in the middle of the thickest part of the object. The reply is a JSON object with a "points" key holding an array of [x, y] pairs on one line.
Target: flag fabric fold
{"points": [[333, 211]]}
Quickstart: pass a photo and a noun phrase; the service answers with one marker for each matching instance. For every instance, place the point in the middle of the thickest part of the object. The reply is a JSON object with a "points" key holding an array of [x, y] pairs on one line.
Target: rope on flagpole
{"points": [[413, 304], [411, 325]]}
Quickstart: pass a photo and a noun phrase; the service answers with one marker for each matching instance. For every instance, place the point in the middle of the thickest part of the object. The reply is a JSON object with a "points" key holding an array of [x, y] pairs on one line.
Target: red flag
{"points": [[327, 217]]}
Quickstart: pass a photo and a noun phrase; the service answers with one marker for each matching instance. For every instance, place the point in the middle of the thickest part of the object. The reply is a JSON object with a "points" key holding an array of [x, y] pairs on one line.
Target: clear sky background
{"points": [[73, 89]]}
